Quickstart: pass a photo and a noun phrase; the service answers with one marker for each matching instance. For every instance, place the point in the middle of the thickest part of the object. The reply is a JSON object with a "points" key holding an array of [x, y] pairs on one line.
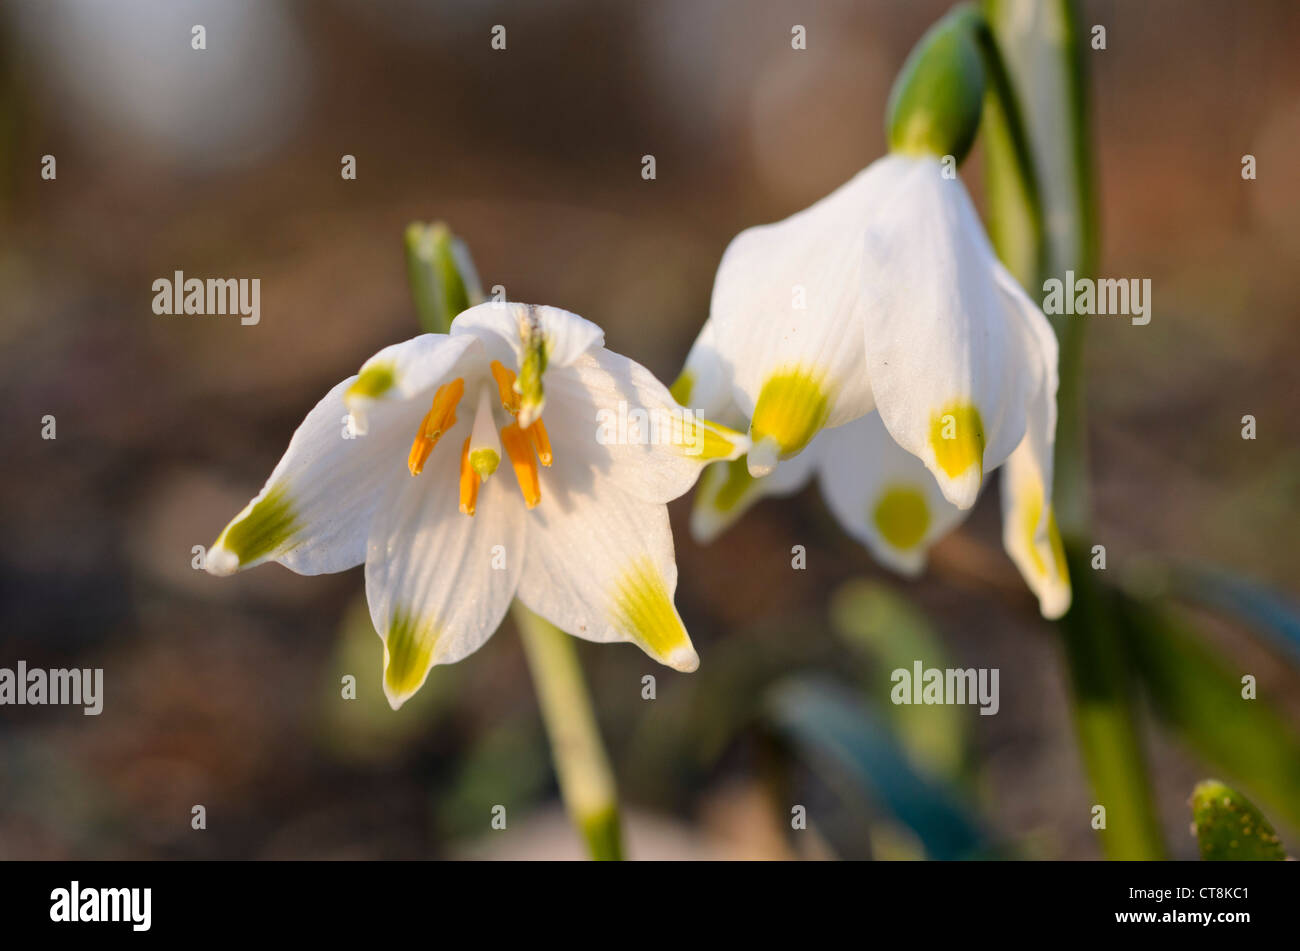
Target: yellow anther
{"points": [[440, 418], [505, 378], [520, 451], [540, 441], [469, 481]]}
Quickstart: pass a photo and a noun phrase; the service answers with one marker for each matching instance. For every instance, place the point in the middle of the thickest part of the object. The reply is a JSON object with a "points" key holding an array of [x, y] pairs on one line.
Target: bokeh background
{"points": [[226, 162]]}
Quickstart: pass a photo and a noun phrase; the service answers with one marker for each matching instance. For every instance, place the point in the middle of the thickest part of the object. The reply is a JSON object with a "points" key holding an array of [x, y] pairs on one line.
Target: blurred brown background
{"points": [[226, 162]]}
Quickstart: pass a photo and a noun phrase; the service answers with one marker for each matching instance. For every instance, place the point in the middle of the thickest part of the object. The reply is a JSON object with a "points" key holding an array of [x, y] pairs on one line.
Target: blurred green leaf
{"points": [[1229, 827], [1105, 715], [1261, 608], [441, 275], [1198, 694], [890, 632], [855, 752]]}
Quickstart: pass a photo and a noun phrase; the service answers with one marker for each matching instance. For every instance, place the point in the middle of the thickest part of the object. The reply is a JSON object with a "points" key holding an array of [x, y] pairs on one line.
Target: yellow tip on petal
{"points": [[792, 407], [261, 530], [902, 516], [957, 438], [643, 609], [372, 382], [408, 656], [682, 388]]}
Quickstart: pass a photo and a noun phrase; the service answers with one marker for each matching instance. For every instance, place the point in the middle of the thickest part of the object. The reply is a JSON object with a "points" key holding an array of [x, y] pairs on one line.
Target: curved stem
{"points": [[581, 766]]}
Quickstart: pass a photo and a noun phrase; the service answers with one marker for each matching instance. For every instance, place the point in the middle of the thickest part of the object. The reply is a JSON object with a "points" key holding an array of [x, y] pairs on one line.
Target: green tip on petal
{"points": [[957, 438], [264, 528], [682, 387], [644, 610], [1229, 827], [532, 366], [372, 382], [902, 516], [935, 105], [791, 409], [408, 656]]}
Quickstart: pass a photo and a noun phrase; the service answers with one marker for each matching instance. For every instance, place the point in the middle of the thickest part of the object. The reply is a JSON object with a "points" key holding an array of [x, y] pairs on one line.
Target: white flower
{"points": [[397, 468], [881, 318]]}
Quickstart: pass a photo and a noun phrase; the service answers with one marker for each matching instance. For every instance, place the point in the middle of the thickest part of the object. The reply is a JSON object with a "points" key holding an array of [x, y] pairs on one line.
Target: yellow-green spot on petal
{"points": [[408, 653], [532, 367], [792, 407], [264, 529], [737, 483], [1033, 511], [682, 387], [484, 461], [643, 609], [957, 438], [709, 441], [372, 382], [902, 516]]}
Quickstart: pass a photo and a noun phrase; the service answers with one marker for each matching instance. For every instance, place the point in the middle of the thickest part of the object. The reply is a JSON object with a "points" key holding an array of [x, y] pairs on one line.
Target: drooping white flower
{"points": [[399, 467], [877, 333]]}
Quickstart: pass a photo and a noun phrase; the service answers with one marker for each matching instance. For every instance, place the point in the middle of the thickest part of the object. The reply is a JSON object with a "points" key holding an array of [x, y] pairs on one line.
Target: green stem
{"points": [[581, 766], [1106, 721]]}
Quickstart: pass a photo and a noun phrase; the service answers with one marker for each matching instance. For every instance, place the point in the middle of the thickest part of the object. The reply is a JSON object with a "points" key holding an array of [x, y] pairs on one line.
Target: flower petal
{"points": [[313, 514], [788, 315], [727, 490], [438, 581], [883, 495], [403, 371], [705, 381], [612, 415], [600, 565], [950, 367], [497, 324]]}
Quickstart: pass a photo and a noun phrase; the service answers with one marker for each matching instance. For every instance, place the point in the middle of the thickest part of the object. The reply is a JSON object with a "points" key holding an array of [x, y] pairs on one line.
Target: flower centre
{"points": [[480, 454]]}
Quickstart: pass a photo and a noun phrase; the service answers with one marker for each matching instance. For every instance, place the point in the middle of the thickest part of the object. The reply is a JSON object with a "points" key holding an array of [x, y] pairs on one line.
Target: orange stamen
{"points": [[505, 378], [541, 442], [525, 464], [469, 482], [440, 418]]}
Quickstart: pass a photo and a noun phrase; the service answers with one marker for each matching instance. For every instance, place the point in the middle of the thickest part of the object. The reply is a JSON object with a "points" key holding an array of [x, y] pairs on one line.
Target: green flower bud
{"points": [[934, 107], [1229, 827]]}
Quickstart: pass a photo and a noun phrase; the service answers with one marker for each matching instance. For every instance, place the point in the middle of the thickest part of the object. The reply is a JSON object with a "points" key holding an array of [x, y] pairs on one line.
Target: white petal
{"points": [[600, 565], [949, 364], [788, 305], [612, 415], [727, 490], [439, 582], [314, 512], [404, 371], [313, 515], [1029, 531], [883, 495], [497, 324], [705, 381]]}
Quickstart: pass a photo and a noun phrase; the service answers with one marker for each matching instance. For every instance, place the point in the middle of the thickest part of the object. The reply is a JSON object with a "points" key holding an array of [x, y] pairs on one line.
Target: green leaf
{"points": [[1105, 716], [1229, 827], [891, 633], [1198, 694], [854, 750], [441, 275]]}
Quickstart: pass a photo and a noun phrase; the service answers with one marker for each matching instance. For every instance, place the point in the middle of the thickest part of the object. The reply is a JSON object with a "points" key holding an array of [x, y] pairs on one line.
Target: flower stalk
{"points": [[581, 764]]}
